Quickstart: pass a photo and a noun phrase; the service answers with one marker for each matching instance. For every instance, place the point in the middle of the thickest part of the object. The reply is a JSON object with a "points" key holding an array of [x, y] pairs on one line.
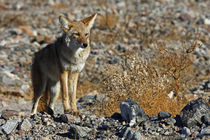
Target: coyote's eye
{"points": [[86, 34], [76, 34]]}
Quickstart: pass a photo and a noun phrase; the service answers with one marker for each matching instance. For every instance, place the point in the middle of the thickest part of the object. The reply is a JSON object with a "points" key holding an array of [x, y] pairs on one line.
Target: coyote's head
{"points": [[77, 32]]}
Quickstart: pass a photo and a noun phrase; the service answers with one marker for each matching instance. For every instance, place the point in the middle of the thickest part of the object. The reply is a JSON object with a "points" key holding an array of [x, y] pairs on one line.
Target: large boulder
{"points": [[132, 112], [193, 112]]}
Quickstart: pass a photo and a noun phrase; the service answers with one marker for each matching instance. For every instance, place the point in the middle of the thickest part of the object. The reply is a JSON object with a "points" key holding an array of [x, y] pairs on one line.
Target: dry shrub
{"points": [[149, 81], [83, 88]]}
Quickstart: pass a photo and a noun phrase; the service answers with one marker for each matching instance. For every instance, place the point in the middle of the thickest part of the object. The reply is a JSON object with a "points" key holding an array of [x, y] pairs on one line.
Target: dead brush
{"points": [[149, 81]]}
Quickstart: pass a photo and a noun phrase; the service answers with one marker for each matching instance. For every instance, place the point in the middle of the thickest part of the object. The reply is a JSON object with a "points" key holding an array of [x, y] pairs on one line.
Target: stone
{"points": [[206, 119], [207, 21], [170, 121], [7, 114], [9, 78], [132, 112], [10, 126], [130, 134], [15, 31], [80, 132], [147, 124], [154, 118], [171, 95], [184, 17], [1, 121], [192, 113], [67, 118], [88, 100], [133, 135], [25, 125], [3, 43], [163, 115], [116, 116], [205, 132], [124, 132], [186, 131], [1, 131]]}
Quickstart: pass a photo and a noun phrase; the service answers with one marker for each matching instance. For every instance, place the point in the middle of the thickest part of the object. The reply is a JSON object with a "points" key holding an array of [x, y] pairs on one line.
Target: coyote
{"points": [[57, 66]]}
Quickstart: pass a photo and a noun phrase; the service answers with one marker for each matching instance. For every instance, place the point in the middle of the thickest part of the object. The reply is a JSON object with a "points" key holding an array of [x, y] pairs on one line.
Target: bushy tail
{"points": [[43, 106]]}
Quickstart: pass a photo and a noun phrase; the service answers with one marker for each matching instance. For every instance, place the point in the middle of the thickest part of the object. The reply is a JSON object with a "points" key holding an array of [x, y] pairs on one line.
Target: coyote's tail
{"points": [[42, 106]]}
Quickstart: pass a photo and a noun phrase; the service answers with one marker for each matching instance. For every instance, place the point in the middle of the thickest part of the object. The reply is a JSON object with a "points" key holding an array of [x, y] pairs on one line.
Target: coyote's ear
{"points": [[65, 23], [89, 21]]}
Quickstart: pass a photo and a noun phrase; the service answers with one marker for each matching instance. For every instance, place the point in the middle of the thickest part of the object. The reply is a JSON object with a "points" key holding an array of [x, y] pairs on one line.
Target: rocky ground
{"points": [[130, 26]]}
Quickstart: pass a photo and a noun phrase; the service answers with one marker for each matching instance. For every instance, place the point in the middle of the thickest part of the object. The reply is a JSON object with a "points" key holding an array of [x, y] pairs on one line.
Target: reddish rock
{"points": [[184, 17], [6, 114]]}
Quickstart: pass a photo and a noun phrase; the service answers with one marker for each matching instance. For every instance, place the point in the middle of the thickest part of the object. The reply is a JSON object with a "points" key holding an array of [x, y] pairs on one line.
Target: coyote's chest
{"points": [[74, 61]]}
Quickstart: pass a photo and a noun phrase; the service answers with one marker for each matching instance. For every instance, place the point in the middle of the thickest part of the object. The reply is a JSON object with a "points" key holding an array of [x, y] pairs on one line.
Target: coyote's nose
{"points": [[84, 45]]}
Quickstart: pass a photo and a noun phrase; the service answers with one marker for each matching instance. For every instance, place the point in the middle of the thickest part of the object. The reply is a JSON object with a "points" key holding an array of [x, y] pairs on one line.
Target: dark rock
{"points": [[184, 17], [124, 132], [116, 116], [163, 115], [206, 119], [120, 48], [205, 132], [147, 124], [186, 131], [132, 112], [133, 135], [79, 132], [6, 114], [130, 134], [9, 126], [88, 100], [192, 113], [67, 118], [178, 121], [113, 61], [170, 121], [154, 118]]}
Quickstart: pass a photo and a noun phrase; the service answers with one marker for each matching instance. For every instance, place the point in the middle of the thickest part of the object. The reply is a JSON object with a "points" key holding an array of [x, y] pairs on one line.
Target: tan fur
{"points": [[56, 67]]}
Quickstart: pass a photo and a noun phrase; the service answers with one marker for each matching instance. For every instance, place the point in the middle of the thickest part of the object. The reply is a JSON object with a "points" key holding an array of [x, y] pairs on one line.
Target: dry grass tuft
{"points": [[149, 81]]}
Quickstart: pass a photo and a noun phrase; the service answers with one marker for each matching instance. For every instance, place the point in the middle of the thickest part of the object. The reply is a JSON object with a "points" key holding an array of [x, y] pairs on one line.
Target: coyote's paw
{"points": [[67, 111], [76, 113], [73, 112]]}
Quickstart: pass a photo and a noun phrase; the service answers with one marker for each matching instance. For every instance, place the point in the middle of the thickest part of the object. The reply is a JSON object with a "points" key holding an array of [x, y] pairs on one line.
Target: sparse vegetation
{"points": [[149, 81]]}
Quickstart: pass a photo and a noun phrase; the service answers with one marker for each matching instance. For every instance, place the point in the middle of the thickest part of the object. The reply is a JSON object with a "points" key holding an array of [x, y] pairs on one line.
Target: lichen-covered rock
{"points": [[78, 131], [132, 112], [192, 113], [9, 126], [25, 125], [163, 115]]}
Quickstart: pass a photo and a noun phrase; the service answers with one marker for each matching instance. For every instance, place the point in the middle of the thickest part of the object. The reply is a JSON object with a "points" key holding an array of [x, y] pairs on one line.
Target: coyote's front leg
{"points": [[65, 95], [73, 78]]}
